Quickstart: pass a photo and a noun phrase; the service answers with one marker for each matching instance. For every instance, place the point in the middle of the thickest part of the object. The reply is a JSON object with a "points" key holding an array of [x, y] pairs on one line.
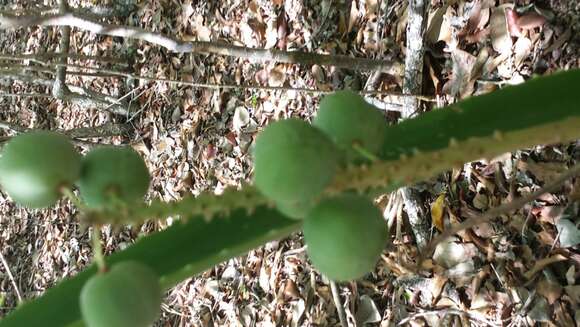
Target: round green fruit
{"points": [[345, 236], [351, 122], [113, 172], [293, 161], [294, 210], [129, 295], [35, 166]]}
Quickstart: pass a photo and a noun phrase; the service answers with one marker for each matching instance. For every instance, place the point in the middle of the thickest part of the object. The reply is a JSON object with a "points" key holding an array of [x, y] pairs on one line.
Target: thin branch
{"points": [[13, 127], [502, 209], [338, 304], [25, 95], [471, 314], [12, 74], [298, 57], [104, 130], [43, 58], [18, 75], [413, 81], [59, 88], [83, 97], [412, 84], [90, 102], [11, 277], [416, 215], [76, 20], [175, 45]]}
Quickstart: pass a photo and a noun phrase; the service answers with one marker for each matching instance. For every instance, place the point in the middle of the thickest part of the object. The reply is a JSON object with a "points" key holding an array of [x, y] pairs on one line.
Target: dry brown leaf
{"points": [[438, 27], [541, 264], [475, 16], [461, 82], [437, 211], [353, 16], [563, 317], [436, 286], [573, 292], [291, 290], [277, 76], [559, 41], [530, 21], [551, 291], [282, 29], [522, 50], [543, 171], [500, 36], [512, 22]]}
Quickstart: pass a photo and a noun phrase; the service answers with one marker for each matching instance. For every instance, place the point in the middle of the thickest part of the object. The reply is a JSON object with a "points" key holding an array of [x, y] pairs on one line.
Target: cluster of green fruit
{"points": [[294, 162], [37, 167]]}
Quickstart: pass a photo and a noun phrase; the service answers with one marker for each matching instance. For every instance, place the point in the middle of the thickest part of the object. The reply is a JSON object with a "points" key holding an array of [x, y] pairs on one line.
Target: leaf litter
{"points": [[520, 269]]}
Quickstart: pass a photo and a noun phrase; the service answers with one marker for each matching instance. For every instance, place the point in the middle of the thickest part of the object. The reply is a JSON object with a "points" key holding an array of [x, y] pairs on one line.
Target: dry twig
{"points": [[412, 84], [11, 277], [338, 303], [502, 209], [77, 20]]}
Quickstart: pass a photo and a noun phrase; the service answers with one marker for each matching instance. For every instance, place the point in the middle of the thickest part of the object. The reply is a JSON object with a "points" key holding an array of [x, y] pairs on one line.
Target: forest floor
{"points": [[196, 139]]}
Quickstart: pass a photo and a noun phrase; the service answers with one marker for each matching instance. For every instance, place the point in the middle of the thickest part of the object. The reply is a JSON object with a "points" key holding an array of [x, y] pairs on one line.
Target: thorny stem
{"points": [[364, 152], [95, 235], [207, 205], [69, 194], [98, 256]]}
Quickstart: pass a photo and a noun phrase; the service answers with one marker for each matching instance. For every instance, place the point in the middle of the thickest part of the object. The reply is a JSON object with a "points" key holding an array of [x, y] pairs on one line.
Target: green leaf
{"points": [[176, 253]]}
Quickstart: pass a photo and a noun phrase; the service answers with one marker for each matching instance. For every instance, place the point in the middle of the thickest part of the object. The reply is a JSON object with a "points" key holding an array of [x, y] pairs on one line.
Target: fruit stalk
{"points": [[98, 257]]}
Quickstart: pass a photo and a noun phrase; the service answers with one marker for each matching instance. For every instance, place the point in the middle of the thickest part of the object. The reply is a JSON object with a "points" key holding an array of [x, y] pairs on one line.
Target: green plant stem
{"points": [[69, 194], [206, 205], [365, 153], [98, 256]]}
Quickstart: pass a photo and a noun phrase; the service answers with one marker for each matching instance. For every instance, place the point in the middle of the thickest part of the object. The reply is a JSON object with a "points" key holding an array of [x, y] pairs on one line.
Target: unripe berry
{"points": [[35, 166], [129, 295], [293, 161], [351, 122], [109, 172], [345, 236]]}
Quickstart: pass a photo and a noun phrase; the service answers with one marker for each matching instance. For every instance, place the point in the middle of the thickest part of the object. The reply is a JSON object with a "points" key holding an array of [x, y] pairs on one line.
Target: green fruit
{"points": [[293, 161], [349, 120], [35, 166], [129, 295], [345, 236], [294, 210], [113, 172]]}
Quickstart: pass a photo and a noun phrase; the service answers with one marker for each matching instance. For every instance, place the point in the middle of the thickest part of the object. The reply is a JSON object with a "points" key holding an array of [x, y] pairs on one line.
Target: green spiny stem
{"points": [[539, 101], [98, 250], [365, 153], [383, 175], [69, 194], [182, 250], [206, 205], [388, 175]]}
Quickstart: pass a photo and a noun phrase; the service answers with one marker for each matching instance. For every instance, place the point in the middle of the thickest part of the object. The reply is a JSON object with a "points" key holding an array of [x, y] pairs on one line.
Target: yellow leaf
{"points": [[437, 209]]}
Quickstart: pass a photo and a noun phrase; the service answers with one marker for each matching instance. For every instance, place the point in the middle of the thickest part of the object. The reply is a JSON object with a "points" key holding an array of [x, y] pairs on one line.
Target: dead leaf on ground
{"points": [[437, 212], [500, 35]]}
